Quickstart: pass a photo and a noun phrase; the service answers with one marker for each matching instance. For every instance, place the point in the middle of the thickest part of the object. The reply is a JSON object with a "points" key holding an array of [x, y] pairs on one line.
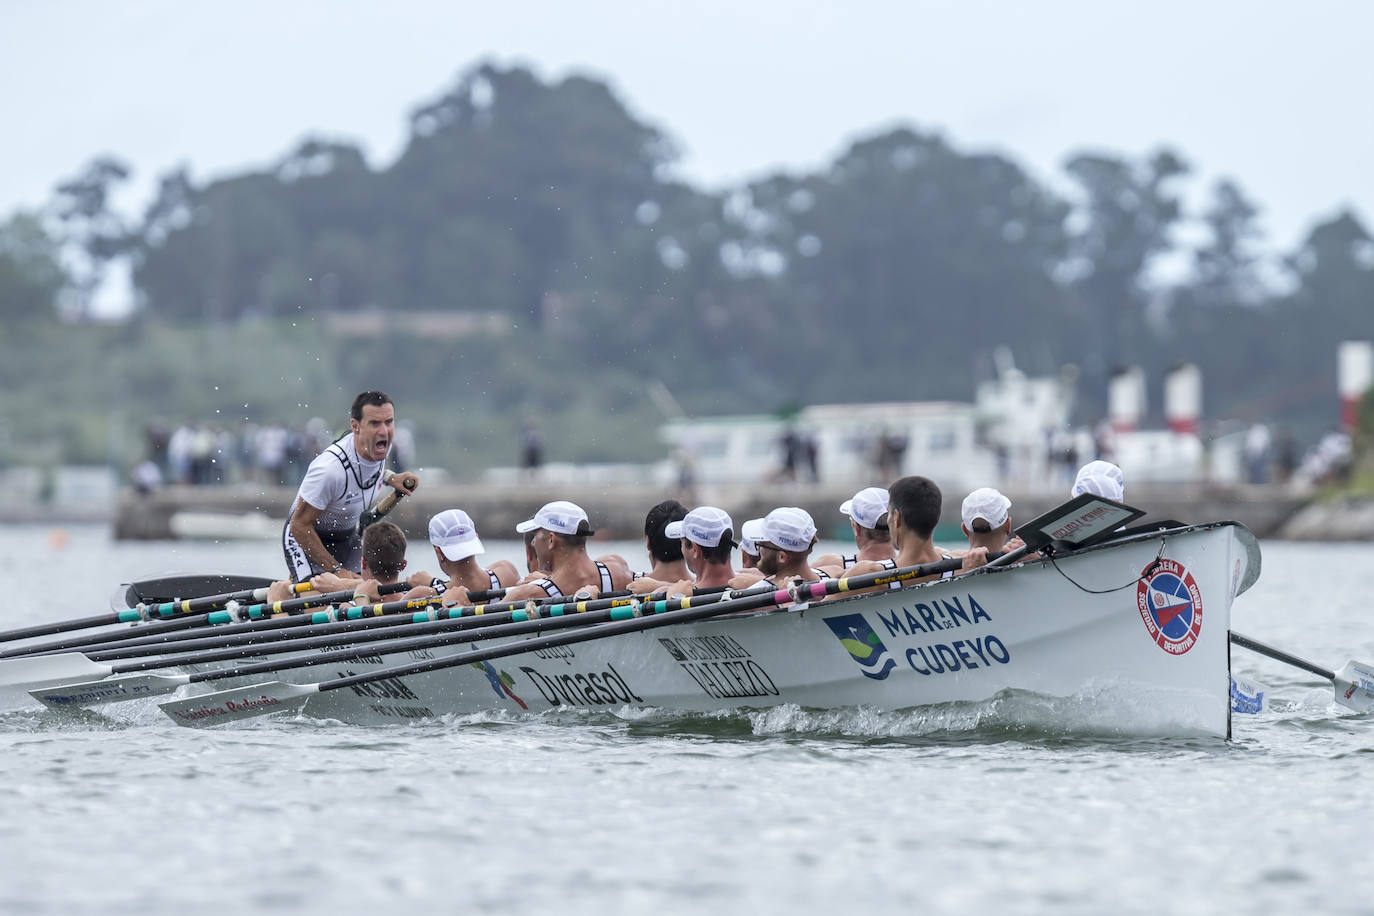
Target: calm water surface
{"points": [[946, 810]]}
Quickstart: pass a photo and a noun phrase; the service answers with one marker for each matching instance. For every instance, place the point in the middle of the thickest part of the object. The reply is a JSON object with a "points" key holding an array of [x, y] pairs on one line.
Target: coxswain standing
{"points": [[321, 534]]}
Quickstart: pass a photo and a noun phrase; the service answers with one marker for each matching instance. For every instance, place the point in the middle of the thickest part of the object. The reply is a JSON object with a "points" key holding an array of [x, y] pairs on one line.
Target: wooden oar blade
{"points": [[1355, 686], [35, 670], [113, 690], [239, 703]]}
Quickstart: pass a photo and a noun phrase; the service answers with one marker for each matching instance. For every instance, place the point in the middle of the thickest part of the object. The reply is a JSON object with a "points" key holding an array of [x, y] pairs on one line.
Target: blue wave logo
{"points": [[862, 644]]}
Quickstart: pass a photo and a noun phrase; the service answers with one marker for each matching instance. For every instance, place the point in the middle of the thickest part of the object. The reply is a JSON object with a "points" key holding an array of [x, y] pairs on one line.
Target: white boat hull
{"points": [[1155, 650]]}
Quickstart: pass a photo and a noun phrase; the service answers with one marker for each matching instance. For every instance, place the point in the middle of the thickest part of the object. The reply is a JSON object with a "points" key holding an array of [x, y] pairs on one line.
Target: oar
{"points": [[31, 670], [56, 671], [275, 696], [143, 612], [1354, 684], [105, 638], [262, 617], [487, 594], [245, 618]]}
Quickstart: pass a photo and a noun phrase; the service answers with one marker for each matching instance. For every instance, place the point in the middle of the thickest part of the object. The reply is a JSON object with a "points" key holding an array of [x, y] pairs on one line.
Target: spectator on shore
{"points": [[531, 451]]}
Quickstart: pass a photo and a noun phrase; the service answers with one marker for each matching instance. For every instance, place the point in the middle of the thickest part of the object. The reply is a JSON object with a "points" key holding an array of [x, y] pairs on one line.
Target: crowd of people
{"points": [[272, 454]]}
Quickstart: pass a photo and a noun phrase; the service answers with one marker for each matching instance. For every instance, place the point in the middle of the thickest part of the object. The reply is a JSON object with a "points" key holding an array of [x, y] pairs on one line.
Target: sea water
{"points": [[957, 809]]}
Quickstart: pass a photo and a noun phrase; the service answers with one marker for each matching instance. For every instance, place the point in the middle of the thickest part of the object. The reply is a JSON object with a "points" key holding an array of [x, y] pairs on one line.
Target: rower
{"points": [[913, 511], [749, 533], [1100, 478], [784, 545], [867, 512], [383, 558], [456, 546], [706, 537], [560, 532], [321, 533], [666, 563], [985, 517]]}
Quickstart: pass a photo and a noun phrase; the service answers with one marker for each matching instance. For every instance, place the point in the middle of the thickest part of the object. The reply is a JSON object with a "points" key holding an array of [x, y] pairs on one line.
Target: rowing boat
{"points": [[1136, 625]]}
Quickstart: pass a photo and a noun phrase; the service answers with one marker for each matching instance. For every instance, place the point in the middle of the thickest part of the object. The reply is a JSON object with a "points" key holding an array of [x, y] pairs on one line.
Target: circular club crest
{"points": [[1171, 606]]}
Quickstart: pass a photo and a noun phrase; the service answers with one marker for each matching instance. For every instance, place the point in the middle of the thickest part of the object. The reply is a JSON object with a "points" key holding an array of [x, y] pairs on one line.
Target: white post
{"points": [[1183, 398], [1126, 399], [1355, 373]]}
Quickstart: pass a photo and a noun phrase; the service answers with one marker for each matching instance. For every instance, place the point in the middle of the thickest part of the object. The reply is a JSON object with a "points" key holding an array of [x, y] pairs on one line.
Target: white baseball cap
{"points": [[868, 507], [453, 532], [789, 528], [559, 516], [1100, 478], [704, 525], [750, 532], [987, 504]]}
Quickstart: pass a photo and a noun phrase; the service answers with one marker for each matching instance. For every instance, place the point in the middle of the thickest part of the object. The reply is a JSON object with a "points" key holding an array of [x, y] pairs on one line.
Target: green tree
{"points": [[1122, 225], [1226, 266], [902, 241], [519, 189], [31, 274], [1335, 269], [95, 232]]}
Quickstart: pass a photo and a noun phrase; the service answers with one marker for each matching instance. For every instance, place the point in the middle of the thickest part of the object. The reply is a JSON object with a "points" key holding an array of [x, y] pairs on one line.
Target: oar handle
{"points": [[164, 610], [170, 609], [387, 502]]}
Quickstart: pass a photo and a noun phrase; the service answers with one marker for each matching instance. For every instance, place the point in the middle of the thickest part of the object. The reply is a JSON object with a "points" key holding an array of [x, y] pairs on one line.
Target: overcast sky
{"points": [[1275, 95]]}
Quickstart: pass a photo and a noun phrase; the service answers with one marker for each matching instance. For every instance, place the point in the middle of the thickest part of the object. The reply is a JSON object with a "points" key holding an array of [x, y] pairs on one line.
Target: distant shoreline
{"points": [[618, 512]]}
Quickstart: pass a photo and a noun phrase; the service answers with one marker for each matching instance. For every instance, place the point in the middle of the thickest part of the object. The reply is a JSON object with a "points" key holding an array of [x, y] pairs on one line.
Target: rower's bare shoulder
{"points": [[620, 570], [505, 572], [746, 578], [863, 568]]}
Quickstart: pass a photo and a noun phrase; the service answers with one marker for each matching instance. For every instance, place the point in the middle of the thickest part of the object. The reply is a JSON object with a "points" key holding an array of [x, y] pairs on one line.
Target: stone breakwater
{"points": [[1346, 518], [618, 511]]}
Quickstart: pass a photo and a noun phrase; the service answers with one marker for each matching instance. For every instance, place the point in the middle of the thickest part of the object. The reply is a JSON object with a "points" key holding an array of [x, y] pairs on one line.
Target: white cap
{"points": [[987, 504], [868, 507], [559, 516], [704, 525], [750, 532], [1100, 478], [789, 528], [453, 532]]}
